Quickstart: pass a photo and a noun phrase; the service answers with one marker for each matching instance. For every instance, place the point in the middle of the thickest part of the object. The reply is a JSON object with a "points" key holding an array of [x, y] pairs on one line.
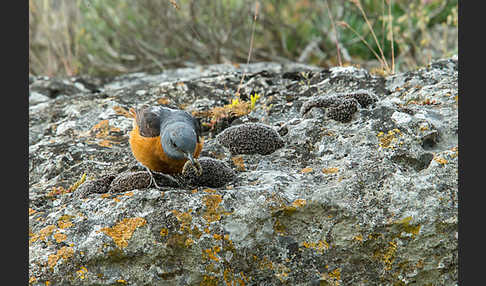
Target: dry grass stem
{"points": [[335, 33], [346, 25], [255, 15]]}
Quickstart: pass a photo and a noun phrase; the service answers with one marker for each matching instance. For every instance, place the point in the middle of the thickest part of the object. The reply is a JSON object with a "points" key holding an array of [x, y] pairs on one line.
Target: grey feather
{"points": [[152, 120], [179, 131]]}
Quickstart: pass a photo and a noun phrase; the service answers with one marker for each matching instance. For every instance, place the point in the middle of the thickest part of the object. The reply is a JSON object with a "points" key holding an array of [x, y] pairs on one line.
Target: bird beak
{"points": [[195, 163]]}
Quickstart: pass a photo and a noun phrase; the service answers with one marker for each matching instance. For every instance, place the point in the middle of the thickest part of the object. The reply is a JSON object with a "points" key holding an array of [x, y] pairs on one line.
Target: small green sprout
{"points": [[253, 100]]}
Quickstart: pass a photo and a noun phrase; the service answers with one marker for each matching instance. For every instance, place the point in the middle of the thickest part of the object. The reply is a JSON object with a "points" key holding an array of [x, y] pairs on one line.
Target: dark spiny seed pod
{"points": [[130, 181], [97, 186], [363, 99], [340, 106], [138, 180], [250, 138], [344, 111], [316, 102], [214, 174]]}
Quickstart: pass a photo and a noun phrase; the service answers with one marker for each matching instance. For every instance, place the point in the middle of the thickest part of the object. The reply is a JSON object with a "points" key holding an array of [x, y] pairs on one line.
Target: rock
{"points": [[54, 87], [64, 127], [367, 196], [35, 97]]}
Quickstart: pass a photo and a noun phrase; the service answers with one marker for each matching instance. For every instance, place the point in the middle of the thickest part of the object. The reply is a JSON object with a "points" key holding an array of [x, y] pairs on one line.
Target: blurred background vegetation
{"points": [[107, 37]]}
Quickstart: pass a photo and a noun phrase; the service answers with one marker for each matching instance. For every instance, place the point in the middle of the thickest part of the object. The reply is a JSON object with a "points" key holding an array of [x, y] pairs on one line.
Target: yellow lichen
{"points": [[320, 245], [331, 278], [405, 226], [163, 100], [128, 194], [60, 237], [283, 273], [211, 267], [209, 191], [299, 203], [196, 233], [55, 191], [388, 140], [289, 209], [336, 275], [440, 160], [123, 230], [211, 253], [209, 281], [32, 211], [424, 127], [64, 253], [306, 170], [213, 212], [184, 218], [164, 232], [239, 163], [389, 255], [122, 111], [103, 130], [228, 277], [42, 234], [265, 263], [64, 221], [330, 170], [82, 272], [188, 242]]}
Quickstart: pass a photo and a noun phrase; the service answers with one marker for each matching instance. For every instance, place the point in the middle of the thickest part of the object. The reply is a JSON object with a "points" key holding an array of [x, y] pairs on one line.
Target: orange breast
{"points": [[148, 151]]}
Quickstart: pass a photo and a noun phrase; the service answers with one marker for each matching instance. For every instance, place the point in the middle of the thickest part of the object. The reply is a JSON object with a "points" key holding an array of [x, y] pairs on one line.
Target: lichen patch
{"points": [[64, 253], [43, 233], [213, 211], [123, 231]]}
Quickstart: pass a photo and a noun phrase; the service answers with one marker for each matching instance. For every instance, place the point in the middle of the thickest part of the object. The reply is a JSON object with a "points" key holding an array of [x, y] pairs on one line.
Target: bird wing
{"points": [[148, 121], [151, 119]]}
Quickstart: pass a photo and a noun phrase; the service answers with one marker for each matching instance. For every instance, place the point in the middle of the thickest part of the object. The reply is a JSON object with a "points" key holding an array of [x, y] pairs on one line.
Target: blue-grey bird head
{"points": [[179, 141]]}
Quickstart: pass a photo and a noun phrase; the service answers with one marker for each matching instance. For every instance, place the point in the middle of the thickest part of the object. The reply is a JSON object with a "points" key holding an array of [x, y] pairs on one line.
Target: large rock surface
{"points": [[370, 199]]}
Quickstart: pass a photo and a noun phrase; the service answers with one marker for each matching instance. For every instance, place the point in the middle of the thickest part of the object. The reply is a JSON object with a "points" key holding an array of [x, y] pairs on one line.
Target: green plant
{"points": [[105, 38]]}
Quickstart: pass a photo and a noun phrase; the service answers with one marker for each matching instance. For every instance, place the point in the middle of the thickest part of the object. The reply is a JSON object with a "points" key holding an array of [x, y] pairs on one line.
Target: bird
{"points": [[164, 140]]}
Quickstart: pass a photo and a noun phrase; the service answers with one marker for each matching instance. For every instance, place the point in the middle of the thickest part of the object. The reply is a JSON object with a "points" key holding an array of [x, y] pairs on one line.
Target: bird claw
{"points": [[154, 182], [197, 167]]}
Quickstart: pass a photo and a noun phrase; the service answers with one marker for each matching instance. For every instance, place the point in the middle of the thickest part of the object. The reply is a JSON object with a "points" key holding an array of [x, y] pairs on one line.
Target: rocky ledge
{"points": [[359, 188]]}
